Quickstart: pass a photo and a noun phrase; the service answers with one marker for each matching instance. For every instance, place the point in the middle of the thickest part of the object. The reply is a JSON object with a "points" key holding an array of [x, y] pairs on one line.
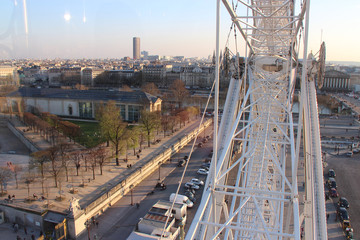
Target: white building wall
{"points": [[56, 107], [75, 108], [42, 105]]}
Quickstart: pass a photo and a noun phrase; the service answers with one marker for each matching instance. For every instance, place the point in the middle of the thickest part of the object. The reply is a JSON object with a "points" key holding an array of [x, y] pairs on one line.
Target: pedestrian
{"points": [[138, 156], [97, 224], [25, 230], [32, 237], [327, 216], [95, 237], [137, 205]]}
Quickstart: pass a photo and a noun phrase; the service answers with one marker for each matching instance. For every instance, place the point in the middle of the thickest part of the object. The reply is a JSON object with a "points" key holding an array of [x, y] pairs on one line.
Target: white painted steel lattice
{"points": [[251, 191]]}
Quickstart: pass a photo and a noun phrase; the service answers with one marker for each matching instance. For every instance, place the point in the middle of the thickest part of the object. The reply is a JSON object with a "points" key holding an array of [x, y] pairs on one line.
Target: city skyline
{"points": [[93, 29]]}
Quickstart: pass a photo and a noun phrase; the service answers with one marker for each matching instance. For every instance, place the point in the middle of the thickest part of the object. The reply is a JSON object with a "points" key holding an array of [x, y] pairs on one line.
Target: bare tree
{"points": [[38, 161], [63, 148], [165, 123], [76, 158], [56, 164], [17, 169], [28, 179], [173, 120], [5, 176], [180, 93], [93, 160], [183, 116], [151, 88], [101, 158]]}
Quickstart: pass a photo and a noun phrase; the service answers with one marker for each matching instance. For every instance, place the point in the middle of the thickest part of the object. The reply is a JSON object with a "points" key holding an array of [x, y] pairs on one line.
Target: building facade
{"points": [[195, 76], [136, 48], [336, 81], [83, 104], [8, 75]]}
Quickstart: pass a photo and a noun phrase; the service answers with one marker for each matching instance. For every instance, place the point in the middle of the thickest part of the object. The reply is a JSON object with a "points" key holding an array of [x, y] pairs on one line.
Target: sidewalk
{"points": [[110, 173]]}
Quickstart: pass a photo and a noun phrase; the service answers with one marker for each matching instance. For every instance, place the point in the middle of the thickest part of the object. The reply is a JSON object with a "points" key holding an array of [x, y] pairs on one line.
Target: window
{"points": [[70, 110], [85, 110], [122, 112], [134, 112]]}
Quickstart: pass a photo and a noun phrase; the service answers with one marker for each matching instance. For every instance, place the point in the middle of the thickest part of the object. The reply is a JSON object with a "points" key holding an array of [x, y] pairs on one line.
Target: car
{"points": [[190, 190], [206, 168], [207, 164], [181, 163], [349, 154], [202, 171], [191, 185], [343, 202], [197, 181], [331, 183], [191, 196], [333, 192], [343, 214], [356, 151], [331, 173]]}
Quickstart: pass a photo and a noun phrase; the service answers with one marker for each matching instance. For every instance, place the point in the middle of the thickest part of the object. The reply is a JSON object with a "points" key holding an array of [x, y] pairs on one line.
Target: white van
{"points": [[181, 199]]}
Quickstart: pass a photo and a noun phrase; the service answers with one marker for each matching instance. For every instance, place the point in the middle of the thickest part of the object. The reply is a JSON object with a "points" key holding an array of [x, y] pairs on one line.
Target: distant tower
{"points": [[136, 48]]}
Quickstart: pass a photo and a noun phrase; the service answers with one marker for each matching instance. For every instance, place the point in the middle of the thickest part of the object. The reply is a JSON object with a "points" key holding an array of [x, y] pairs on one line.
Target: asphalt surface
{"points": [[9, 142], [346, 168], [121, 218]]}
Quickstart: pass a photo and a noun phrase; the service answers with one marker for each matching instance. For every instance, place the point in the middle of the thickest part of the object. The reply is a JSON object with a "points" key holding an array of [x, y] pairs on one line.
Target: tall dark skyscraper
{"points": [[136, 48]]}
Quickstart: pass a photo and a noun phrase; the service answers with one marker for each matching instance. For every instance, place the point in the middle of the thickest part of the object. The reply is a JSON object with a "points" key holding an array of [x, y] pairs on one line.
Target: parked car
{"points": [[343, 214], [331, 183], [343, 202], [206, 165], [191, 196], [190, 190], [333, 192], [349, 154], [181, 163], [197, 181], [206, 168], [191, 185], [202, 171], [331, 173]]}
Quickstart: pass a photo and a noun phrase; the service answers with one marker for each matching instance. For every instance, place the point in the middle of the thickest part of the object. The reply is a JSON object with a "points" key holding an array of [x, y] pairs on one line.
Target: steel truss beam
{"points": [[251, 191]]}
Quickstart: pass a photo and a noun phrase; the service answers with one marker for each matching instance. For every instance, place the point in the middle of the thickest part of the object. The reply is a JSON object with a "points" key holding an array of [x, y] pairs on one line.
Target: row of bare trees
{"points": [[58, 160], [49, 126]]}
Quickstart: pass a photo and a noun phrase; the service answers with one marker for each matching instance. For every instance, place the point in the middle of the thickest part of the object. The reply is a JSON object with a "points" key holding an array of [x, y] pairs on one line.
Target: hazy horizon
{"points": [[90, 29]]}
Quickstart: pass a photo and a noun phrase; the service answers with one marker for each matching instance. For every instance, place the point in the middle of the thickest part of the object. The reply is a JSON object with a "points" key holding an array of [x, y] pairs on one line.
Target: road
{"points": [[119, 220], [346, 168]]}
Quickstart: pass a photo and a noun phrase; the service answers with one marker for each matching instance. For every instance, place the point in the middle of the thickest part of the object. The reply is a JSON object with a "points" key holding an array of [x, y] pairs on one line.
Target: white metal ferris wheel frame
{"points": [[262, 202]]}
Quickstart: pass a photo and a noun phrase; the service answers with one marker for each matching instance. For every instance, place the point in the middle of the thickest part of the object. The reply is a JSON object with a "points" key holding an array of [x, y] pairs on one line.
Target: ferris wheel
{"points": [[252, 188]]}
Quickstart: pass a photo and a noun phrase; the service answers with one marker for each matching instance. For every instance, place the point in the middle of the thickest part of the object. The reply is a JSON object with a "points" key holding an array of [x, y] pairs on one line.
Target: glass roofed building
{"points": [[82, 104]]}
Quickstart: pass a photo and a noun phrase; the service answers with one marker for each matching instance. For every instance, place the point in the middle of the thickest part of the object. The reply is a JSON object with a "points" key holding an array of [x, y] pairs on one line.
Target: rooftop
{"points": [[97, 95]]}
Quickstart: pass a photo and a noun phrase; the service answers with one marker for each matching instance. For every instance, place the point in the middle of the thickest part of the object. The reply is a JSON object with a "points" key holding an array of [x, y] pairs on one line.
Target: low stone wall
{"points": [[23, 216], [76, 225], [28, 143]]}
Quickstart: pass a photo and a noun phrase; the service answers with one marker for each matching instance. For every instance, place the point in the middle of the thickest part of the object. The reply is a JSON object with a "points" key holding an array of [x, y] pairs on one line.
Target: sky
{"points": [[104, 29]]}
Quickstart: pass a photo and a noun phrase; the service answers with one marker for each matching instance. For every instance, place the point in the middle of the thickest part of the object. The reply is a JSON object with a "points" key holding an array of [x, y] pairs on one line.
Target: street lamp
{"points": [[159, 164], [131, 194], [87, 225]]}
